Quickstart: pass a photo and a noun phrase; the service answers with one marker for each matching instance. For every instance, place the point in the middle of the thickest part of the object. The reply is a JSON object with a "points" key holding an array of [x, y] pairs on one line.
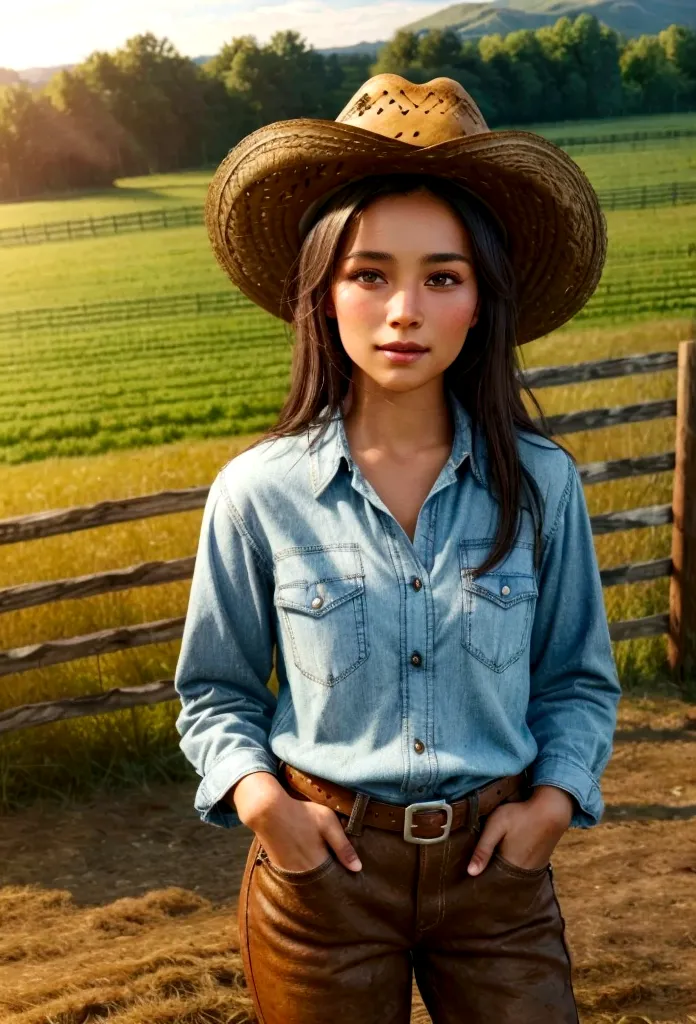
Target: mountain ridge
{"points": [[470, 20]]}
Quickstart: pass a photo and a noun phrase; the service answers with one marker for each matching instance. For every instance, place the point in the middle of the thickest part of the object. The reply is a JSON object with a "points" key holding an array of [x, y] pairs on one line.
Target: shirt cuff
{"points": [[221, 777], [575, 780]]}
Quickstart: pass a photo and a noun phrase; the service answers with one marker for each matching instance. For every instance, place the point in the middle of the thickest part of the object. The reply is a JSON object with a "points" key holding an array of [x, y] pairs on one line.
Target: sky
{"points": [[44, 33]]}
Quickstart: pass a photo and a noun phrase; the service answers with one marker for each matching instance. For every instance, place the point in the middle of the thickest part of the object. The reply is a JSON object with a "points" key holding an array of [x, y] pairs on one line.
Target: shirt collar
{"points": [[326, 452]]}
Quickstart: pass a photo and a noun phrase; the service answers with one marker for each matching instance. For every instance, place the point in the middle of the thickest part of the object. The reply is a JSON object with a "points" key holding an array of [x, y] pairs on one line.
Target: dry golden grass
{"points": [[72, 756]]}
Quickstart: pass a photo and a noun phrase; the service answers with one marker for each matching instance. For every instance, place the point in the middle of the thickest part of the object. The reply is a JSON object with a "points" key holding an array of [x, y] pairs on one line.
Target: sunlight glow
{"points": [[44, 33]]}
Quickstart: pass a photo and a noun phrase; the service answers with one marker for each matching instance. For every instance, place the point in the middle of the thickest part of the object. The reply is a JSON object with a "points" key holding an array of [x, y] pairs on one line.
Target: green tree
{"points": [[653, 83], [399, 55], [679, 45], [158, 98], [40, 148], [439, 49], [103, 139]]}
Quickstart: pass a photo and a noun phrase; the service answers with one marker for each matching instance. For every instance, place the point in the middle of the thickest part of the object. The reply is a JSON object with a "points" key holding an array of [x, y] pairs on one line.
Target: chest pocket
{"points": [[497, 607], [320, 597]]}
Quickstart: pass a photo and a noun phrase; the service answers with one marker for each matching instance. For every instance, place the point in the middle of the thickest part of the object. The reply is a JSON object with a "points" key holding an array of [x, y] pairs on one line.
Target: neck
{"points": [[397, 424]]}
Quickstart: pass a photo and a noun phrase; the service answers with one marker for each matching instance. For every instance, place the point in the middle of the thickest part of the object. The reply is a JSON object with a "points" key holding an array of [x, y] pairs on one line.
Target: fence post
{"points": [[682, 592]]}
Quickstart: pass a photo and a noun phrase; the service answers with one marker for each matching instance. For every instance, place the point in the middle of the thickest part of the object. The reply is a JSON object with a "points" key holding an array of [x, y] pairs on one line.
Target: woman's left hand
{"points": [[527, 830]]}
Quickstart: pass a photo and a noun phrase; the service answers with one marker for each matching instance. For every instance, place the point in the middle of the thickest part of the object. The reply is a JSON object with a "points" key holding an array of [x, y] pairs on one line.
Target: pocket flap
{"points": [[510, 581], [504, 589], [316, 580]]}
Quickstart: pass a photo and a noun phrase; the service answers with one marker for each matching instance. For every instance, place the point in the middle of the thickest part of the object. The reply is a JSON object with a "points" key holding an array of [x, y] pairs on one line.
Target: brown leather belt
{"points": [[431, 820]]}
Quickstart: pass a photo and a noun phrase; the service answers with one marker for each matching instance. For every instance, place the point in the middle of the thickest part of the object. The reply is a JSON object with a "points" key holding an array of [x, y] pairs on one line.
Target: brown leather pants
{"points": [[331, 944]]}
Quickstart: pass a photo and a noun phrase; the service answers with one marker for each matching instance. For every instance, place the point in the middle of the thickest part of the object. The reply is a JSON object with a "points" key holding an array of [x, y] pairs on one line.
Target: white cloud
{"points": [[42, 33]]}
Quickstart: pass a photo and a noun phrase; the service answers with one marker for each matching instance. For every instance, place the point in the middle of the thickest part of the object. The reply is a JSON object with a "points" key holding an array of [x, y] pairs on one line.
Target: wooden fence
{"points": [[635, 140], [678, 622], [630, 197]]}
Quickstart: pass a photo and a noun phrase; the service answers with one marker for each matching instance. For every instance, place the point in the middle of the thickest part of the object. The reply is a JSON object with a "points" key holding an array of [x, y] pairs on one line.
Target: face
{"points": [[404, 274]]}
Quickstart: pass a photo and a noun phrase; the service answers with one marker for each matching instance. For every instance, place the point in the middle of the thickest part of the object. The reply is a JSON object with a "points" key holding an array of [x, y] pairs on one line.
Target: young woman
{"points": [[417, 554]]}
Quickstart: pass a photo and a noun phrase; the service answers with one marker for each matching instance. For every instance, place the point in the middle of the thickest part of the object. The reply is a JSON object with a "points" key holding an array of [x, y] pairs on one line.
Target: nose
{"points": [[404, 309]]}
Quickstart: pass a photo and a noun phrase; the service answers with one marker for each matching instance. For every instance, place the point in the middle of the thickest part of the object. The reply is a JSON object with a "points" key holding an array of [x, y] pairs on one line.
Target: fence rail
{"points": [[102, 227], [679, 623], [621, 138], [628, 198]]}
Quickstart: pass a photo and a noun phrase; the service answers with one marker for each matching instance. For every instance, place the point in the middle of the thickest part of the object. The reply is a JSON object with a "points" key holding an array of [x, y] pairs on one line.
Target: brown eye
{"points": [[361, 274], [437, 278]]}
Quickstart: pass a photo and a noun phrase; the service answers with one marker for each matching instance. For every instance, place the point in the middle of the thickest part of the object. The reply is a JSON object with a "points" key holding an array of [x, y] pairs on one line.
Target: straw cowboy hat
{"points": [[265, 193]]}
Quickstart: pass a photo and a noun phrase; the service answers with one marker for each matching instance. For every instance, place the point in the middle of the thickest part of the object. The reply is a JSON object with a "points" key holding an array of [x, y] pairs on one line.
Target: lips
{"points": [[403, 346]]}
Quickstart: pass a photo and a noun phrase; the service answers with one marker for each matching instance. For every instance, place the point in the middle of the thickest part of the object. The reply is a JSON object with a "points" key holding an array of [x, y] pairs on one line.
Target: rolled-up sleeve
{"points": [[574, 685], [226, 659]]}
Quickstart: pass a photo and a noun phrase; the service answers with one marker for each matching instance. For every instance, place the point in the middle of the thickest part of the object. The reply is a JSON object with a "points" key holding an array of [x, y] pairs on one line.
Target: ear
{"points": [[329, 308], [474, 319]]}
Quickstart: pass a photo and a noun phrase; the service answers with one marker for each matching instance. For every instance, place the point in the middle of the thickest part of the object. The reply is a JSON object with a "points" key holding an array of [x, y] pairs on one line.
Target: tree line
{"points": [[145, 108]]}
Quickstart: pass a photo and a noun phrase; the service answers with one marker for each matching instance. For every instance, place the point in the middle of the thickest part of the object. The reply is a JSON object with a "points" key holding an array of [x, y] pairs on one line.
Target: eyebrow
{"points": [[432, 257]]}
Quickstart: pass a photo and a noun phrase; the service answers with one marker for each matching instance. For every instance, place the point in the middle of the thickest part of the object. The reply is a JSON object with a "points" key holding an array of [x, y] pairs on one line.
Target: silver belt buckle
{"points": [[426, 805]]}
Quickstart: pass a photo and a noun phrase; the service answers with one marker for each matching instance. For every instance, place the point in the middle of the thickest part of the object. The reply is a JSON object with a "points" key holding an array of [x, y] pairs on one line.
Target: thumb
{"points": [[337, 839], [493, 832]]}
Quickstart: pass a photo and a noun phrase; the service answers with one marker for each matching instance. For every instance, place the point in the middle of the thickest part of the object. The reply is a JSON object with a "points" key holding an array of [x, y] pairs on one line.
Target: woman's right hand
{"points": [[296, 834]]}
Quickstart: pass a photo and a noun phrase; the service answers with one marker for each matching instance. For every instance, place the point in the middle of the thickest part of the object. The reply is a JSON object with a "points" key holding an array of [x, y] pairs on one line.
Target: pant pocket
{"points": [[514, 870], [297, 877]]}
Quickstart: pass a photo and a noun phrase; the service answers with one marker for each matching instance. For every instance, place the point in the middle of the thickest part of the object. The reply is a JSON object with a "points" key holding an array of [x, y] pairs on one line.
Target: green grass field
{"points": [[119, 409]]}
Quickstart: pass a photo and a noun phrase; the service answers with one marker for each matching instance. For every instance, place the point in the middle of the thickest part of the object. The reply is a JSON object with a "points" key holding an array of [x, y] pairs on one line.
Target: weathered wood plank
{"points": [[619, 469], [630, 519], [636, 572], [103, 513], [106, 641], [27, 715], [631, 629], [598, 419], [146, 574], [599, 369], [682, 596]]}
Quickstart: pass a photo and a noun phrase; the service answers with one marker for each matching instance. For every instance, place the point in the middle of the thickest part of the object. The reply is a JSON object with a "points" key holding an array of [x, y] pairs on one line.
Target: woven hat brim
{"points": [[556, 228]]}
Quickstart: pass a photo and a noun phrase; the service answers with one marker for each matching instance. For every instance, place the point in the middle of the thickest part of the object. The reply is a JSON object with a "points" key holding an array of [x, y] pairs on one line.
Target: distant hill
{"points": [[357, 48], [630, 17], [40, 76]]}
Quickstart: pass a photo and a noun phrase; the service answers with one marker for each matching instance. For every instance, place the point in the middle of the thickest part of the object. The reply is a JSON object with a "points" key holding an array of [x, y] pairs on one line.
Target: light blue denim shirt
{"points": [[399, 675]]}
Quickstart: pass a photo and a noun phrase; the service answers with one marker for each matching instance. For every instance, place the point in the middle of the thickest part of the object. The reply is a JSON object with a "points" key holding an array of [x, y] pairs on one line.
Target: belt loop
{"points": [[355, 824], [474, 823]]}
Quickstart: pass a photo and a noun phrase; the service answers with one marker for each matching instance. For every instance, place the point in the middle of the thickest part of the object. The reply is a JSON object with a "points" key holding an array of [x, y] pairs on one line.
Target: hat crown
{"points": [[420, 115]]}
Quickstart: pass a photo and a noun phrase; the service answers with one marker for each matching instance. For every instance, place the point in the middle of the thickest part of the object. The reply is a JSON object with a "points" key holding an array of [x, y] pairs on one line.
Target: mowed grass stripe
{"points": [[241, 353], [155, 400], [74, 350], [91, 439], [136, 389]]}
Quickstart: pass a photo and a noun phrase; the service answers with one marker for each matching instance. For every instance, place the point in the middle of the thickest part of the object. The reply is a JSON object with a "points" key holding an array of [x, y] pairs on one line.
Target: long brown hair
{"points": [[485, 374]]}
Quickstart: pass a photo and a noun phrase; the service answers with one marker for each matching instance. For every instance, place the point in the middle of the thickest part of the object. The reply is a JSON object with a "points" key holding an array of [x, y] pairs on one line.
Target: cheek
{"points": [[454, 319], [354, 308]]}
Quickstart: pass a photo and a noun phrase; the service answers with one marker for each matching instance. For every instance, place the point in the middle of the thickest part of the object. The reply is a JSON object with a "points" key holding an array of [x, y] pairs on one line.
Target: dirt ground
{"points": [[124, 908]]}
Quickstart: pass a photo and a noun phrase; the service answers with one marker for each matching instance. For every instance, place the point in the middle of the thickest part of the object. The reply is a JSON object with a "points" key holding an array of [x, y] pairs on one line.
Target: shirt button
{"points": [[416, 583], [505, 590], [317, 602], [419, 746], [416, 659]]}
